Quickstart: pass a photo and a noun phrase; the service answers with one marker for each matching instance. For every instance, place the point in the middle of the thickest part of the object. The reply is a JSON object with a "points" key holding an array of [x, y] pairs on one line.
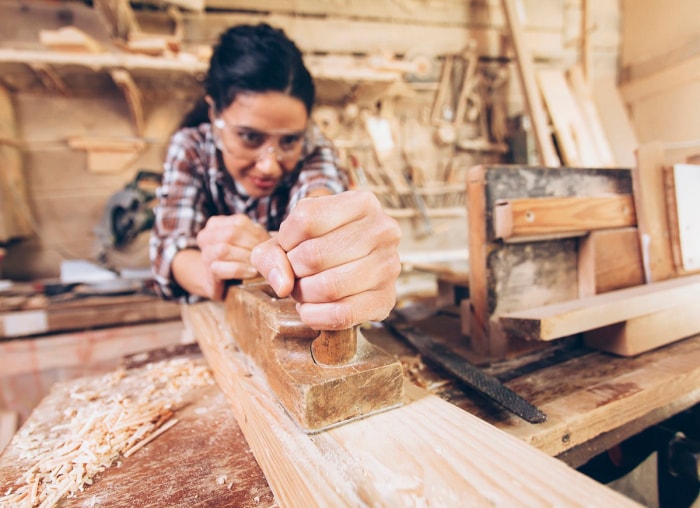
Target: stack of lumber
{"points": [[609, 253]]}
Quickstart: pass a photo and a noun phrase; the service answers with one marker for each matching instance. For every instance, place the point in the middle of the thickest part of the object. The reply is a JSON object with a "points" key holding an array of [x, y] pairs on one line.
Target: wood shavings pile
{"points": [[420, 375], [112, 417]]}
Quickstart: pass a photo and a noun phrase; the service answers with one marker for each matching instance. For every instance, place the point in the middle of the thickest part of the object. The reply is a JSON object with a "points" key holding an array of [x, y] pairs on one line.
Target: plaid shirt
{"points": [[196, 187]]}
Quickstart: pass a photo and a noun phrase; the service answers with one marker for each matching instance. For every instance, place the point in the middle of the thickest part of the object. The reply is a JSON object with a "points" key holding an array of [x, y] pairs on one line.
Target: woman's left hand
{"points": [[337, 256]]}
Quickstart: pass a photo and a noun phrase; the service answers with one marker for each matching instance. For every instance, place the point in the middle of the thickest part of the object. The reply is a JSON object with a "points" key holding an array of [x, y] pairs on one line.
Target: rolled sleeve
{"points": [[179, 214]]}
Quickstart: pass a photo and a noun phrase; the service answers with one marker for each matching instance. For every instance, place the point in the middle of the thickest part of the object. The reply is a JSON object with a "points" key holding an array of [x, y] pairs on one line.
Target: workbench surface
{"points": [[593, 400]]}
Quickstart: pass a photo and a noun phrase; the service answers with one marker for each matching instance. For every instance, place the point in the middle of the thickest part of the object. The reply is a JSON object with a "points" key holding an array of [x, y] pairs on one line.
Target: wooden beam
{"points": [[533, 100], [426, 452], [615, 120], [641, 334], [652, 214], [575, 140], [122, 78], [609, 260], [50, 78], [584, 96], [568, 318], [562, 216]]}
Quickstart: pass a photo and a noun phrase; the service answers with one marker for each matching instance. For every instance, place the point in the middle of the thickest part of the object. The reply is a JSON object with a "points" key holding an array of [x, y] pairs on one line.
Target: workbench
{"points": [[593, 400]]}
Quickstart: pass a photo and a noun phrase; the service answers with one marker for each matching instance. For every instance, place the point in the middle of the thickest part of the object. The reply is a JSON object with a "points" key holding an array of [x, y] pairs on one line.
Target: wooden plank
{"points": [[593, 400], [575, 141], [71, 39], [584, 96], [568, 318], [683, 73], [609, 260], [561, 216], [533, 100], [615, 120], [30, 367], [641, 334], [401, 457], [84, 313], [652, 215]]}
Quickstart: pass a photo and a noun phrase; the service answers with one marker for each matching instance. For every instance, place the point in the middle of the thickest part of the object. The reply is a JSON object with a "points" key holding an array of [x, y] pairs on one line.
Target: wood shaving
{"points": [[113, 417]]}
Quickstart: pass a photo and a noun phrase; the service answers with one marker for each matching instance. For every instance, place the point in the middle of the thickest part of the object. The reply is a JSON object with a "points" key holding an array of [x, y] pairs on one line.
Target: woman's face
{"points": [[260, 136]]}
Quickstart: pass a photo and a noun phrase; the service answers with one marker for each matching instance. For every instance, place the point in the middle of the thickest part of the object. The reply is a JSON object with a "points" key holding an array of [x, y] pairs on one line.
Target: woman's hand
{"points": [[225, 244], [337, 256]]}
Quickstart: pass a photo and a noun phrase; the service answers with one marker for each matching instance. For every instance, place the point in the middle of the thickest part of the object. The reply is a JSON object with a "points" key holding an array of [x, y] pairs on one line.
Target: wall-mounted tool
{"points": [[322, 379]]}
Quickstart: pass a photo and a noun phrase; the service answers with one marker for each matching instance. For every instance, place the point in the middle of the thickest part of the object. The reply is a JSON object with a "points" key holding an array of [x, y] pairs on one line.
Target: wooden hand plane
{"points": [[322, 378]]}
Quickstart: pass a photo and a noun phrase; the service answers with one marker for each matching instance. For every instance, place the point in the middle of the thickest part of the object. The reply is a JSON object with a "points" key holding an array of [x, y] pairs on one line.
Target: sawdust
{"points": [[112, 417]]}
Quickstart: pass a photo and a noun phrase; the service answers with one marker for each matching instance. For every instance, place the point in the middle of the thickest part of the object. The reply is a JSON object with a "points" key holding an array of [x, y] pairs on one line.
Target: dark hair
{"points": [[257, 58]]}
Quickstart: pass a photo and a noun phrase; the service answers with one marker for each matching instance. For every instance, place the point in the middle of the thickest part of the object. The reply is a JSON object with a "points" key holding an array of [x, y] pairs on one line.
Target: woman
{"points": [[232, 203]]}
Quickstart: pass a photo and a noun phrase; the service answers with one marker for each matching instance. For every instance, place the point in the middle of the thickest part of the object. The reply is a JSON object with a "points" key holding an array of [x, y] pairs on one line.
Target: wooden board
{"points": [[505, 277], [652, 213], [615, 120], [575, 140], [426, 452], [84, 313], [30, 366], [525, 67], [593, 400], [608, 260], [584, 96], [568, 318], [517, 219], [641, 334]]}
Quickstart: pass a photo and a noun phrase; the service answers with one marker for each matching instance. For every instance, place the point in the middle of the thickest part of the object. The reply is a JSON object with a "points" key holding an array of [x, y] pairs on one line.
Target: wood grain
{"points": [[608, 260], [574, 216], [426, 452], [652, 214], [641, 334], [533, 100], [568, 318]]}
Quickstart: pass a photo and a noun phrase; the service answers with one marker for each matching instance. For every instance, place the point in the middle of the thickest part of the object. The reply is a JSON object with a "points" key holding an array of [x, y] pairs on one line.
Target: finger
{"points": [[227, 270], [348, 312], [272, 263], [318, 216], [225, 252], [378, 271], [235, 229], [376, 235]]}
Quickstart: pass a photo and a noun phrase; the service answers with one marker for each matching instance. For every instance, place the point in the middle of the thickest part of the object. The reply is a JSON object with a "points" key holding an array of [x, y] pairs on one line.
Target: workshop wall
{"points": [[77, 128], [659, 73]]}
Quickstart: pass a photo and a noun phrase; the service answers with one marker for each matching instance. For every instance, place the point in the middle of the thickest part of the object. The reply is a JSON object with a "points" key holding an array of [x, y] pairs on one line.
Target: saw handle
{"points": [[334, 347]]}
